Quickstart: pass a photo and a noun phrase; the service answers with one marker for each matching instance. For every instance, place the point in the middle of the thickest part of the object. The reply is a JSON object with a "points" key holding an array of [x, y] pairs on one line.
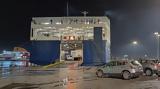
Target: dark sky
{"points": [[130, 20]]}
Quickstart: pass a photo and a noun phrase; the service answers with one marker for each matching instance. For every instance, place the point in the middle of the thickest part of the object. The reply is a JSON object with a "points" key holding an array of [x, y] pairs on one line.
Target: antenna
{"points": [[84, 13], [67, 9]]}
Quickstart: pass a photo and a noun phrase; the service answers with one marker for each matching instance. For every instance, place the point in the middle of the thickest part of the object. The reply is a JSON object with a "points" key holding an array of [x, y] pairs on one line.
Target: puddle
{"points": [[148, 88], [20, 86], [62, 82], [30, 86], [33, 73], [89, 78], [22, 71], [10, 71], [66, 81], [27, 88]]}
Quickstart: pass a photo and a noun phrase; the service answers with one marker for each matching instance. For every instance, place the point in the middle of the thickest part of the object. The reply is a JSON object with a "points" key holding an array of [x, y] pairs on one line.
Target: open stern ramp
{"points": [[93, 32]]}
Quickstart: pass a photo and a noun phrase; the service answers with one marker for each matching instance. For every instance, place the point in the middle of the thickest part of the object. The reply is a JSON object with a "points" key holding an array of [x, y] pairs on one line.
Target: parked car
{"points": [[158, 72], [126, 69], [150, 66]]}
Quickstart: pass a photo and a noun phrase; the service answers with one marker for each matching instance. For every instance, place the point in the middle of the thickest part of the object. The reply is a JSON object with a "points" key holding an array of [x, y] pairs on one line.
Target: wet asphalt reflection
{"points": [[58, 83], [18, 71], [71, 78]]}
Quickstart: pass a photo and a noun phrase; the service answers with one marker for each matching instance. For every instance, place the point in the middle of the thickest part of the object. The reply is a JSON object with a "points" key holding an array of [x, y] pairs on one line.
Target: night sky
{"points": [[130, 20]]}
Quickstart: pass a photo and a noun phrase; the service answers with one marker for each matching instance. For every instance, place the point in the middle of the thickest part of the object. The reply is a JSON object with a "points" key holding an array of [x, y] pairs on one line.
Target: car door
{"points": [[119, 67], [108, 68]]}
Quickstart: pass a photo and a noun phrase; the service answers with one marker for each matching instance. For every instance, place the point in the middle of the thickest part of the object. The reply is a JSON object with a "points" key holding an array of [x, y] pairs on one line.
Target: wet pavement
{"points": [[70, 77]]}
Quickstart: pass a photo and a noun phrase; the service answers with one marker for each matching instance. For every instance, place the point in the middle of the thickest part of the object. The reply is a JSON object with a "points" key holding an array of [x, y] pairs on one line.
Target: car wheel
{"points": [[148, 72], [137, 76], [126, 75], [99, 73]]}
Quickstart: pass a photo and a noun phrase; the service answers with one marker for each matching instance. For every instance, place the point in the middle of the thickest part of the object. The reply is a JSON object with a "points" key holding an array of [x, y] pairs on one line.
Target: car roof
{"points": [[147, 59], [120, 60]]}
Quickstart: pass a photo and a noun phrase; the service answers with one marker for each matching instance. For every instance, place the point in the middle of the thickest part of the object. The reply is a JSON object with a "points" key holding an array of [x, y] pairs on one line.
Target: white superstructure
{"points": [[68, 28]]}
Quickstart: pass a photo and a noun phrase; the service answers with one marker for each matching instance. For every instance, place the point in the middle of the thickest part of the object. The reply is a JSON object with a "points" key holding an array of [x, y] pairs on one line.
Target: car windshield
{"points": [[151, 61], [155, 61], [136, 63]]}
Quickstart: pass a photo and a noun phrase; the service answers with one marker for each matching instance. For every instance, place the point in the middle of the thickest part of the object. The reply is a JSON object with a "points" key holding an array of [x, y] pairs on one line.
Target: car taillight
{"points": [[155, 66], [158, 64]]}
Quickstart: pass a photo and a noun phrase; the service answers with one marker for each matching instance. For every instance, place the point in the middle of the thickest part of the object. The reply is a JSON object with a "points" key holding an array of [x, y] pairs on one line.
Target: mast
{"points": [[67, 9]]}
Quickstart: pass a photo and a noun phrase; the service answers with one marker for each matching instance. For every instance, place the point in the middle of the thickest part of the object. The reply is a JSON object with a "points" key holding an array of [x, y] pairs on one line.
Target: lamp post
{"points": [[157, 34], [134, 42]]}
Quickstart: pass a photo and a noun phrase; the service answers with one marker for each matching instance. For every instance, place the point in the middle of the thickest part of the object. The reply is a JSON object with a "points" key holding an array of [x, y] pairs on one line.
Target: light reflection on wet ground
{"points": [[69, 82], [21, 71], [20, 86], [70, 78]]}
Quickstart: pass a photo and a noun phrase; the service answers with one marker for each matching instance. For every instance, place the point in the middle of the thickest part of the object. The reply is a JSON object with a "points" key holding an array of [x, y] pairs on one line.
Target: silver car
{"points": [[127, 69]]}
